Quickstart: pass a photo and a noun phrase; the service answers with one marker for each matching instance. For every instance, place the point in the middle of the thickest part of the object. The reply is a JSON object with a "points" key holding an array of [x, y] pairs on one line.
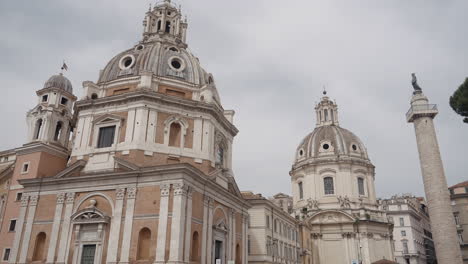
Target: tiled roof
{"points": [[461, 184]]}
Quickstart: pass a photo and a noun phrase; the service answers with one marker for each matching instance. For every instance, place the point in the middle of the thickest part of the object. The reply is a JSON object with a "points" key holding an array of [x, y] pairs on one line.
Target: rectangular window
{"points": [[64, 101], [403, 233], [361, 186], [402, 221], [106, 137], [301, 191], [6, 254], [45, 98], [328, 184], [25, 168], [19, 196], [12, 226], [405, 247]]}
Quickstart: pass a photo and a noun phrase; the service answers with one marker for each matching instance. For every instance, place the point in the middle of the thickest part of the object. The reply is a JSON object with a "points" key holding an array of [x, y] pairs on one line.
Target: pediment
{"points": [[71, 170], [90, 215], [108, 118], [126, 165], [330, 217]]}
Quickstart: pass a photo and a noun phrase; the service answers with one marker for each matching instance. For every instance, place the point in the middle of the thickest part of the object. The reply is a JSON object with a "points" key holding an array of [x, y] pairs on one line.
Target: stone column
{"points": [[204, 236], [188, 225], [176, 253], [162, 225], [19, 228], [28, 228], [55, 228], [64, 236], [114, 234], [210, 231], [127, 232], [435, 184]]}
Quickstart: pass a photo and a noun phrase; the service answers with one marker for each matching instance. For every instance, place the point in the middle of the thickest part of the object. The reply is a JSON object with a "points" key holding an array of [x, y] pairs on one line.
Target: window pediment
{"points": [[108, 119], [90, 216]]}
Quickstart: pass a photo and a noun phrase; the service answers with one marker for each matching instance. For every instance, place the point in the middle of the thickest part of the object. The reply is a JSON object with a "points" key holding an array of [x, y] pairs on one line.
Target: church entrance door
{"points": [[218, 251], [89, 251]]}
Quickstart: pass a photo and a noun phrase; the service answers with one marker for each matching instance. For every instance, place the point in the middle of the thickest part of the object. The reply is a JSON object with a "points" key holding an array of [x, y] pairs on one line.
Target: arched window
{"points": [[58, 131], [194, 250], [159, 25], [331, 114], [328, 185], [144, 241], [361, 186], [301, 190], [326, 114], [220, 155], [39, 247], [276, 225], [94, 96], [37, 131], [168, 26], [174, 134]]}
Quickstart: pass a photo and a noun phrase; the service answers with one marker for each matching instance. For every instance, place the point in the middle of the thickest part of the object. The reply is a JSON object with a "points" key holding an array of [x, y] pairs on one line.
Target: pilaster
{"points": [[64, 236], [55, 228], [127, 233], [188, 225], [114, 235], [204, 235], [162, 226], [234, 235], [245, 227], [210, 230], [28, 228], [178, 224], [19, 229]]}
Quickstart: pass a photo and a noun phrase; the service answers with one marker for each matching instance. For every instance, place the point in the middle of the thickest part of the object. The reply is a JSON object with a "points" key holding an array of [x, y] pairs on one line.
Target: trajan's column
{"points": [[444, 231]]}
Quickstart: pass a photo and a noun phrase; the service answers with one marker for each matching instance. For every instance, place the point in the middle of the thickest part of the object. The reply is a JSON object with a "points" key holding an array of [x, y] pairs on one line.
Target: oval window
{"points": [[127, 62], [177, 64], [326, 146]]}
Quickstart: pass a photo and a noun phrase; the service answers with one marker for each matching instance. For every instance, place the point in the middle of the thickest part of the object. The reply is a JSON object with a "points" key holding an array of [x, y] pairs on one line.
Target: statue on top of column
{"points": [[415, 84]]}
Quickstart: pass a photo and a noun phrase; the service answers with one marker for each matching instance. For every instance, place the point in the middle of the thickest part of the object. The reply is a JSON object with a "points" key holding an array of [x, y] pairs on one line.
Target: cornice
{"points": [[159, 98], [42, 147]]}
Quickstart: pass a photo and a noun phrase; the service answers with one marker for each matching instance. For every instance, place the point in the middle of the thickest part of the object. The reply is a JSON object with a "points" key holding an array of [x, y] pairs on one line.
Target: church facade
{"points": [[334, 196], [138, 170]]}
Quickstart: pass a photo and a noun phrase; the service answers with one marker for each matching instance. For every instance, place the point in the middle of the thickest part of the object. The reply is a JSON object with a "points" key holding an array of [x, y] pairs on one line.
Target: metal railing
{"points": [[421, 108]]}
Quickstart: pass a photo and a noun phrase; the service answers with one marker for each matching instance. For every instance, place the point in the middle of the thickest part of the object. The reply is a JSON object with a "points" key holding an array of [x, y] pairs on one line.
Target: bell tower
{"points": [[51, 120]]}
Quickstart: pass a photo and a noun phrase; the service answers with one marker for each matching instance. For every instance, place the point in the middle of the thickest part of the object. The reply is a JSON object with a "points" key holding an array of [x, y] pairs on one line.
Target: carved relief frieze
{"points": [[316, 235]]}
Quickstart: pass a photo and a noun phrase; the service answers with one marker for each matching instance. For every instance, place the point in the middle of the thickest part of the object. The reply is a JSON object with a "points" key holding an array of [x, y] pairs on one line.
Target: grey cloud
{"points": [[270, 60]]}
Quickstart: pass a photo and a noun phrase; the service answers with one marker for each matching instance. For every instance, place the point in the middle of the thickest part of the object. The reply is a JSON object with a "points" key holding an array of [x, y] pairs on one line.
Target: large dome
{"points": [[59, 81], [163, 60], [331, 140]]}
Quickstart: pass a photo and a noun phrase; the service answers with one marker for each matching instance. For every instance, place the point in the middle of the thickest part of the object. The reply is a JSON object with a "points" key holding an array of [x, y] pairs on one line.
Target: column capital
{"points": [[189, 192], [131, 192], [208, 201], [180, 189], [232, 212], [165, 190], [70, 197], [61, 198], [33, 199], [120, 193], [24, 200]]}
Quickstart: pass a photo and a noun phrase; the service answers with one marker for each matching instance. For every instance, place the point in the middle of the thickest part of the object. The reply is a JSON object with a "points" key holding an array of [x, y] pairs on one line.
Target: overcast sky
{"points": [[270, 60]]}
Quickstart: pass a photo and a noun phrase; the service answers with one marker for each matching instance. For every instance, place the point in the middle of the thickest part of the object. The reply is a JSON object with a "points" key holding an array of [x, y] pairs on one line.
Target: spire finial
{"points": [[324, 90], [149, 7]]}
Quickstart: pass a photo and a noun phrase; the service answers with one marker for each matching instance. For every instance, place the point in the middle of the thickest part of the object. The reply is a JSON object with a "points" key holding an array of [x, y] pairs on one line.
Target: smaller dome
{"points": [[331, 140], [59, 81]]}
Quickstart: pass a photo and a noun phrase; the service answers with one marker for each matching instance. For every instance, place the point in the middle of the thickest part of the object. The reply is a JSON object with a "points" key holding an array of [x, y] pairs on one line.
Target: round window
{"points": [[127, 62], [301, 152], [326, 146], [140, 47], [354, 147], [176, 64]]}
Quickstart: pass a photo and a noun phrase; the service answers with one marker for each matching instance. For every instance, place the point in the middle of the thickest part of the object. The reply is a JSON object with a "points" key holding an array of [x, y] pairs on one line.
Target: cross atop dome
{"points": [[327, 111]]}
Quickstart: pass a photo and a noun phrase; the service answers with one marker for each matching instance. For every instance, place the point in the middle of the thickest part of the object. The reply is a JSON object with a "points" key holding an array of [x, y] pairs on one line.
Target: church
{"points": [[139, 170], [334, 196]]}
